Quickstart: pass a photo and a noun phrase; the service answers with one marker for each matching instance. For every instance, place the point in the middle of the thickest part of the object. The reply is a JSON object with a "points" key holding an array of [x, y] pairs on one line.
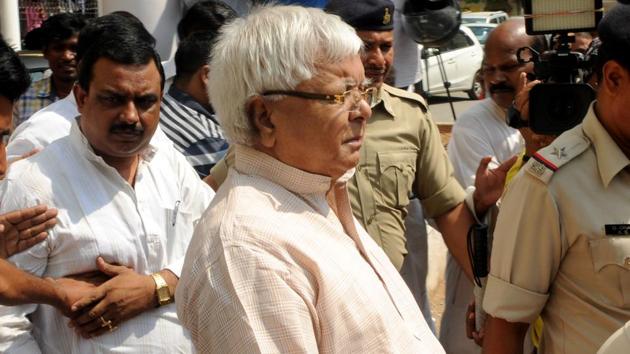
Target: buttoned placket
{"points": [[358, 244]]}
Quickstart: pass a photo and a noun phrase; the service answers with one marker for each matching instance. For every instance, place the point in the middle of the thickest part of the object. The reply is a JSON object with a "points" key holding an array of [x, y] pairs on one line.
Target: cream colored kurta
{"points": [[552, 254], [271, 269]]}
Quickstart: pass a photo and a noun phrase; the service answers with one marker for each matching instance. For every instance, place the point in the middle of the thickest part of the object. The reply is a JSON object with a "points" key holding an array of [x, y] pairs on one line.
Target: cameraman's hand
{"points": [[471, 330], [521, 100]]}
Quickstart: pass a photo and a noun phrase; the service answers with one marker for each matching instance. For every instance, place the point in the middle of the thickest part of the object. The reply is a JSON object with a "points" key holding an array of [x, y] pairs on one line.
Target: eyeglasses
{"points": [[351, 97]]}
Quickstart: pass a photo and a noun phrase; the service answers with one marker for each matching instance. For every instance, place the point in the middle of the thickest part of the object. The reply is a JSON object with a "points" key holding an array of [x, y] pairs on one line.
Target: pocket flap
{"points": [[610, 251], [398, 159]]}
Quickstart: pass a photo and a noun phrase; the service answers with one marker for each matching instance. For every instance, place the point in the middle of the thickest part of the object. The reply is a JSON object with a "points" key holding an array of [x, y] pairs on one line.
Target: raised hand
{"points": [[22, 229], [490, 183]]}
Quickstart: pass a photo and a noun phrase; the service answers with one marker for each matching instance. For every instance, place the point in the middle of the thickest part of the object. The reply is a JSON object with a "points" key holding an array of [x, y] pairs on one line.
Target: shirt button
{"points": [[371, 220], [627, 261]]}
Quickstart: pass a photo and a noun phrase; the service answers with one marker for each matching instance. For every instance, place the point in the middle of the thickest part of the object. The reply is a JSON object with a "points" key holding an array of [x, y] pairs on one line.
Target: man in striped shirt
{"points": [[186, 115]]}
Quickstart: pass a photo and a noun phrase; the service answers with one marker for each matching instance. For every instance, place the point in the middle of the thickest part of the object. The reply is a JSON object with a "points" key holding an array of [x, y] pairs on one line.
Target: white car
{"points": [[462, 57], [481, 31], [484, 17]]}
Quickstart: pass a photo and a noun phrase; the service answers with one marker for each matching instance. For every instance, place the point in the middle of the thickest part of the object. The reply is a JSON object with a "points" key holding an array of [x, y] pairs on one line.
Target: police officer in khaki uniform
{"points": [[562, 241], [402, 155]]}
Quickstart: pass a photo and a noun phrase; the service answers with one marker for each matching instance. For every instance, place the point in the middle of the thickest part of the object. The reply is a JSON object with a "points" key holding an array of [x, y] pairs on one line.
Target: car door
{"points": [[433, 81], [462, 54]]}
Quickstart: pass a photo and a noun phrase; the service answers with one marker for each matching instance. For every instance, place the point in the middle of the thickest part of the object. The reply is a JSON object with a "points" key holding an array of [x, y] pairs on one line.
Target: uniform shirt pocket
{"points": [[611, 263], [397, 172]]}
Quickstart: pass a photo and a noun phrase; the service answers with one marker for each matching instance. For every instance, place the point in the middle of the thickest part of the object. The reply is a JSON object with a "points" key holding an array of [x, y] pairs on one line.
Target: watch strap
{"points": [[162, 291]]}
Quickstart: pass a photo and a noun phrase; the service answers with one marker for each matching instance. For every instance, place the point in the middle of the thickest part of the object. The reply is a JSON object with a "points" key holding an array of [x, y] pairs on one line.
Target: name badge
{"points": [[617, 229]]}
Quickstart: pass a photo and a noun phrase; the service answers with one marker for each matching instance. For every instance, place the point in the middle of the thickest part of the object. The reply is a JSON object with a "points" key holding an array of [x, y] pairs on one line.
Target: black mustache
{"points": [[501, 88], [136, 129]]}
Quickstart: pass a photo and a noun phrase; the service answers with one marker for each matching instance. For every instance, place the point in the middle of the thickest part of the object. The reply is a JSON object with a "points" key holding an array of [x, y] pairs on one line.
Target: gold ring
{"points": [[105, 323]]}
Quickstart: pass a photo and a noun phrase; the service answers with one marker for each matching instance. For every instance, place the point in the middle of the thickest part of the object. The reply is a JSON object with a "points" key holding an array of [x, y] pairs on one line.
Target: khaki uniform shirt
{"points": [[402, 155], [560, 245]]}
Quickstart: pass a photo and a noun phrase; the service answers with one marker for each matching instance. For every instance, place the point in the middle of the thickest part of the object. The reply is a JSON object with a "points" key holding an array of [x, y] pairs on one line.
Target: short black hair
{"points": [[60, 27], [614, 34], [117, 37], [193, 53], [14, 78], [205, 16]]}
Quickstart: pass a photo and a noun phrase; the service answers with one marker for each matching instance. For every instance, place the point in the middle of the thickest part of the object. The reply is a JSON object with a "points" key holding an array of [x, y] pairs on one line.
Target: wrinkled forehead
{"points": [[345, 73]]}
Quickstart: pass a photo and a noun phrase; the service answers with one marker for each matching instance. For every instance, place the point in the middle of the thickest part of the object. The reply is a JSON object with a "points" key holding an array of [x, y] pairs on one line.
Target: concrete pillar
{"points": [[160, 17], [10, 23]]}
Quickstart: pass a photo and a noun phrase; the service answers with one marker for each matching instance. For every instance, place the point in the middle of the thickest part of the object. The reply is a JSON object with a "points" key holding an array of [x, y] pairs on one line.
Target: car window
{"points": [[494, 20], [481, 33], [458, 42], [473, 20]]}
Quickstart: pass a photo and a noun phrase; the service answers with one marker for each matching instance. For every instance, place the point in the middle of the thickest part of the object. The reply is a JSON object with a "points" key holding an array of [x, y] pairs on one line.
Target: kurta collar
{"points": [[253, 162]]}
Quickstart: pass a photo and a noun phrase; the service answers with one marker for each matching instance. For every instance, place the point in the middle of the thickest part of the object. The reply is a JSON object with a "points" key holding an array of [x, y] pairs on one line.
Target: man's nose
{"points": [[129, 113], [363, 111], [375, 57], [69, 54]]}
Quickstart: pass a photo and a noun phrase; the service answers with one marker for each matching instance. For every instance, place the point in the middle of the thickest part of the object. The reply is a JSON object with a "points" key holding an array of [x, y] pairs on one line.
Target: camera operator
{"points": [[559, 247]]}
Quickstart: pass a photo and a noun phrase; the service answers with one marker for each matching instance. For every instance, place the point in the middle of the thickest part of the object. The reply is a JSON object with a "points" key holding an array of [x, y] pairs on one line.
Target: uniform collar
{"points": [[610, 159], [253, 162], [80, 142], [384, 98]]}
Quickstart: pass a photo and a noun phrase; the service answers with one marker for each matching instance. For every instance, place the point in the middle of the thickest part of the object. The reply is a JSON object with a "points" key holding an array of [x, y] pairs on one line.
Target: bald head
{"points": [[501, 69], [509, 37]]}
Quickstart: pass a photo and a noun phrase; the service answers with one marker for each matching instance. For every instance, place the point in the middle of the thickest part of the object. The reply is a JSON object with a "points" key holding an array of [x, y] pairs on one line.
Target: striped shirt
{"points": [[193, 130]]}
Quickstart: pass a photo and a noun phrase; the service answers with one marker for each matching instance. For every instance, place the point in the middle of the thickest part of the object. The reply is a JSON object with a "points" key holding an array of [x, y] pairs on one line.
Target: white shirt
{"points": [[147, 227], [49, 124], [479, 132], [270, 269]]}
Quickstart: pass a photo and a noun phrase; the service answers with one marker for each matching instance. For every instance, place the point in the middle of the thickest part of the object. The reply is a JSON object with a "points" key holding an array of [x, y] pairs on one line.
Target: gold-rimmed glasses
{"points": [[353, 96]]}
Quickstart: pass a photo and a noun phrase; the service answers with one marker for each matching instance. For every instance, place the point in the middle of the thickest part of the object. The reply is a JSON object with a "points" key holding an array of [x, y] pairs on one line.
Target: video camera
{"points": [[562, 100]]}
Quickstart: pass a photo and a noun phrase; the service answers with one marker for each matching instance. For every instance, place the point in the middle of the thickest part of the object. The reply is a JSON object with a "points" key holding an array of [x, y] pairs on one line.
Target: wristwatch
{"points": [[161, 290]]}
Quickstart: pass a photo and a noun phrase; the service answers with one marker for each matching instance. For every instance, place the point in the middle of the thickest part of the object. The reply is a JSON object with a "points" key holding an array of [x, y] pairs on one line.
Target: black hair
{"points": [[14, 78], [193, 53], [118, 37], [205, 16], [614, 33], [60, 27]]}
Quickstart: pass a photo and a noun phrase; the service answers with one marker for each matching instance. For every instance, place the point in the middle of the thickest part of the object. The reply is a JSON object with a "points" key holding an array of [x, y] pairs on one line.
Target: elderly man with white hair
{"points": [[278, 263]]}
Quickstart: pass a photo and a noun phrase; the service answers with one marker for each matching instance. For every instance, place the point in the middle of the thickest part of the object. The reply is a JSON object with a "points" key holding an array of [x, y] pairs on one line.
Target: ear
{"points": [[259, 114], [614, 78], [204, 75], [80, 96]]}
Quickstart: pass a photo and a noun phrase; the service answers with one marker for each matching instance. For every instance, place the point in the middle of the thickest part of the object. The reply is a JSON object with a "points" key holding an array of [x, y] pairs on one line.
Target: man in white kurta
{"points": [[122, 195], [146, 228]]}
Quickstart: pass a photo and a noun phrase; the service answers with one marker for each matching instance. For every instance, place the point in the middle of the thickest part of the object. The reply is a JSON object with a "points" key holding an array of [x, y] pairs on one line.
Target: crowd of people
{"points": [[271, 196]]}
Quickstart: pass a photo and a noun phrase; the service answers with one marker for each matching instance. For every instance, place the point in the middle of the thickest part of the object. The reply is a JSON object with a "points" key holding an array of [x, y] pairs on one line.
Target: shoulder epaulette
{"points": [[407, 95], [565, 148]]}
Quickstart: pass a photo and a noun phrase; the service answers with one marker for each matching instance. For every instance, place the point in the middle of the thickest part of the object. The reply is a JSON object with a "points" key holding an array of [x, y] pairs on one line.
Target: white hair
{"points": [[273, 48]]}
